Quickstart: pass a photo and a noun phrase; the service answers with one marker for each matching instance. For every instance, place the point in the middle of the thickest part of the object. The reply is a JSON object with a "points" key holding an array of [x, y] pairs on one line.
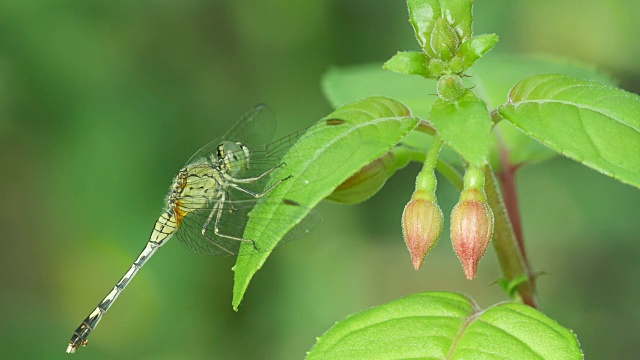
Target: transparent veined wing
{"points": [[223, 219], [255, 128], [233, 221]]}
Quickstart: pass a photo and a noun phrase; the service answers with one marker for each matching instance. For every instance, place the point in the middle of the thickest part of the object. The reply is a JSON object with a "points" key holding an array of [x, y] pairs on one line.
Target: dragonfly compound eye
{"points": [[234, 156]]}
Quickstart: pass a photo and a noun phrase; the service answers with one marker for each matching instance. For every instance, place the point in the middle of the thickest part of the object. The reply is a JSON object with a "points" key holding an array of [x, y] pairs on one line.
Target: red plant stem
{"points": [[510, 197], [505, 242]]}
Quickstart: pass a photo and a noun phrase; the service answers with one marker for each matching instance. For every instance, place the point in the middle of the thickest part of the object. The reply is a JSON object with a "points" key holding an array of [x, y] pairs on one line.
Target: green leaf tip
{"points": [[409, 63], [473, 49]]}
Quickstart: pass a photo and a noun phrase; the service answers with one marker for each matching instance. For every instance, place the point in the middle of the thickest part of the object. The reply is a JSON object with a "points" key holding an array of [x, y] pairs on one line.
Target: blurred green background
{"points": [[101, 102]]}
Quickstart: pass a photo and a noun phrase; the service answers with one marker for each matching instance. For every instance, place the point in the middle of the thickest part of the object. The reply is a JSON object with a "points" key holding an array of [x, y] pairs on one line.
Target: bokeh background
{"points": [[101, 102]]}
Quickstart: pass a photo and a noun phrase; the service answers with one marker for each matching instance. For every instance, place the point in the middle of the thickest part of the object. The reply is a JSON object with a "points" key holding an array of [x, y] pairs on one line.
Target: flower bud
{"points": [[471, 229], [444, 40], [421, 227], [441, 26], [370, 179], [450, 88], [437, 68]]}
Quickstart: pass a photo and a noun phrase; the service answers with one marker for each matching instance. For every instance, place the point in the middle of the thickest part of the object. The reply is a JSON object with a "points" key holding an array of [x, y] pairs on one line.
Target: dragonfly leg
{"points": [[256, 178], [217, 210], [218, 207], [216, 230], [259, 195]]}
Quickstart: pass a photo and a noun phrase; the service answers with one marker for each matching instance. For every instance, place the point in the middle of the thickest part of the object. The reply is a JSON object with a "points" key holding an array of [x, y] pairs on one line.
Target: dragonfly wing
{"points": [[231, 224], [231, 227], [256, 127]]}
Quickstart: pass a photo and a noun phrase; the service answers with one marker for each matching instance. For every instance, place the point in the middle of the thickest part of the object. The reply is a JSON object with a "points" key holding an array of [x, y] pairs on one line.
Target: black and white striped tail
{"points": [[163, 230]]}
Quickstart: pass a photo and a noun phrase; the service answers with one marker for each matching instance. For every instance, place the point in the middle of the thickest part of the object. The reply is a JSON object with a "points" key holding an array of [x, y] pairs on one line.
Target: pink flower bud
{"points": [[471, 230], [421, 227]]}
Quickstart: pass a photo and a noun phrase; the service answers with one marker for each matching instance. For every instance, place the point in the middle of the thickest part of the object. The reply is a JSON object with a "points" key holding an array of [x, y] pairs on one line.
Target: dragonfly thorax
{"points": [[232, 157]]}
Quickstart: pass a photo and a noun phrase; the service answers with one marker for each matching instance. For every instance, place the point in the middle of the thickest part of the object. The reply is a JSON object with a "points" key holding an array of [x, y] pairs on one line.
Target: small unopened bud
{"points": [[471, 229], [450, 88], [437, 67], [421, 228], [444, 40], [370, 179]]}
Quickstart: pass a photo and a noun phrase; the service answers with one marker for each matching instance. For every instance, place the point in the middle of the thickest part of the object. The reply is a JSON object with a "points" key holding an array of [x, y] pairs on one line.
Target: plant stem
{"points": [[508, 181], [432, 154], [505, 242], [444, 168]]}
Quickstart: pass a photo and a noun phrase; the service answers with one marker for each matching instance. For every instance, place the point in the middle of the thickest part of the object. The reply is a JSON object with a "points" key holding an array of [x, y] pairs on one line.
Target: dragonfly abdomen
{"points": [[164, 228]]}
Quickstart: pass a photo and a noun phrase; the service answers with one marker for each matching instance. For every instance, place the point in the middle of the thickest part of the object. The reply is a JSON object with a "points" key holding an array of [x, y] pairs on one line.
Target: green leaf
{"points": [[459, 13], [497, 73], [491, 79], [409, 63], [325, 156], [473, 49], [442, 325], [344, 85], [422, 15], [511, 286], [464, 125], [592, 123]]}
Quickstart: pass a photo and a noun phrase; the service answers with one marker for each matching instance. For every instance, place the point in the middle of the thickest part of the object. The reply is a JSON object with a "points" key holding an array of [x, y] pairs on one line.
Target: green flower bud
{"points": [[437, 67], [456, 66], [471, 223], [444, 40], [421, 227], [450, 88], [367, 181], [440, 26]]}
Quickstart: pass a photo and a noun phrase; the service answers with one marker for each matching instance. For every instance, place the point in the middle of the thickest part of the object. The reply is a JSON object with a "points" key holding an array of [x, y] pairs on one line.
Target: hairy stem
{"points": [[508, 181], [507, 246], [444, 168]]}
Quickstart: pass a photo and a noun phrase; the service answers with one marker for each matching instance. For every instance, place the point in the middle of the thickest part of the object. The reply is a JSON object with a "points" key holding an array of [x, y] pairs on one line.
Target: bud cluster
{"points": [[444, 31]]}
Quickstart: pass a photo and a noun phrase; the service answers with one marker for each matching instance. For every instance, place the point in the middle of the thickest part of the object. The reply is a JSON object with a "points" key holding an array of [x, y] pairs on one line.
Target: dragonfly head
{"points": [[233, 156]]}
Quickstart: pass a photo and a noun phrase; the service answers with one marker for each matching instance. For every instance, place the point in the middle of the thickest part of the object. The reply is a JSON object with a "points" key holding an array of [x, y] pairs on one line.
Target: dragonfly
{"points": [[209, 201]]}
